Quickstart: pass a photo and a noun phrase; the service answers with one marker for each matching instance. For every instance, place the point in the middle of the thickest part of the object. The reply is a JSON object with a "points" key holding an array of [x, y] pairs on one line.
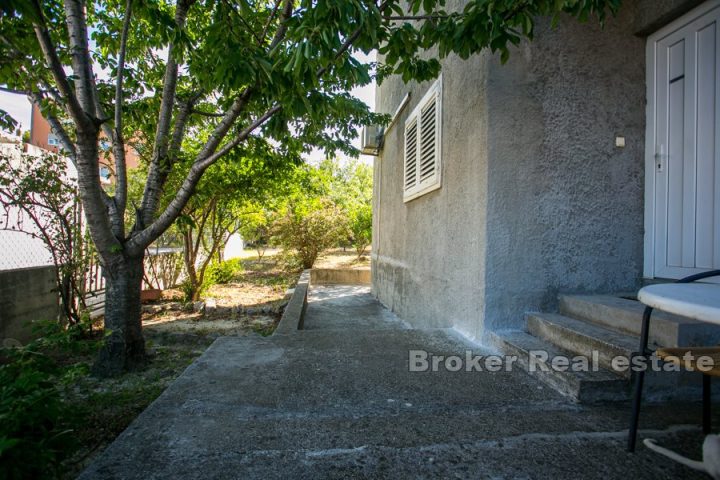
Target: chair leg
{"points": [[707, 403], [639, 378]]}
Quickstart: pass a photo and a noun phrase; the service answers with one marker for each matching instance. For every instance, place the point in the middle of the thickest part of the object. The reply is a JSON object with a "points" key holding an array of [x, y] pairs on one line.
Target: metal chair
{"points": [[671, 354]]}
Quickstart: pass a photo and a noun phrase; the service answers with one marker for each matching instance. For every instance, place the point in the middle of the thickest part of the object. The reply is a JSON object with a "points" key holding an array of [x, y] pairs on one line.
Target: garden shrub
{"points": [[216, 273], [75, 338], [35, 433], [223, 272], [309, 227]]}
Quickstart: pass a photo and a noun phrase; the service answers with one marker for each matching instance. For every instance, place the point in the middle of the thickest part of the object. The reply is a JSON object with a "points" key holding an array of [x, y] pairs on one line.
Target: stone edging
{"points": [[294, 314]]}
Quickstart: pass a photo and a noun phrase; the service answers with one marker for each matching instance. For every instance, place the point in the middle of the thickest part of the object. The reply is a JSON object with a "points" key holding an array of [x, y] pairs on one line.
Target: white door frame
{"points": [[650, 139]]}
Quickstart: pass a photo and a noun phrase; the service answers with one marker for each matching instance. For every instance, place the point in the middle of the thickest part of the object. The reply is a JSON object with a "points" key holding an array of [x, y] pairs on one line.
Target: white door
{"points": [[682, 234]]}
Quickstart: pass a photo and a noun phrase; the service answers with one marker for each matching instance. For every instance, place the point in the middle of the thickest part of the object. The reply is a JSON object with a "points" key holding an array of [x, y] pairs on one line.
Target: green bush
{"points": [[361, 228], [76, 338], [308, 227], [223, 272], [216, 273], [34, 428]]}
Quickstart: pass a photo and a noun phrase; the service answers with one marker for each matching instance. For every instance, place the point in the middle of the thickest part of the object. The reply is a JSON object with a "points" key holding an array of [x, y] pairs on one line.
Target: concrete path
{"points": [[347, 307], [338, 401]]}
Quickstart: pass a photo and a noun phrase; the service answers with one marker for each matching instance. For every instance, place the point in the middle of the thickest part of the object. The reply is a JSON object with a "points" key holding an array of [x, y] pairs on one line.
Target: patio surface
{"points": [[338, 401]]}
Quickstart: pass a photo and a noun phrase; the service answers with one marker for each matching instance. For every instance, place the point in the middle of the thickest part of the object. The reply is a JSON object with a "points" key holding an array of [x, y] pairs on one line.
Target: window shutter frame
{"points": [[417, 177]]}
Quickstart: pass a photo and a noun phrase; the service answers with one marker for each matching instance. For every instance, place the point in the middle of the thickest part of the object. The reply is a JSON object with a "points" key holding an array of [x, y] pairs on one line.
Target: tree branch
{"points": [[139, 241], [269, 21], [153, 187], [247, 25], [158, 169], [36, 97], [15, 51], [417, 17], [205, 214], [179, 131], [225, 124], [118, 140], [81, 106], [348, 42], [210, 152], [80, 56], [282, 26], [55, 66], [241, 137], [208, 114], [87, 94]]}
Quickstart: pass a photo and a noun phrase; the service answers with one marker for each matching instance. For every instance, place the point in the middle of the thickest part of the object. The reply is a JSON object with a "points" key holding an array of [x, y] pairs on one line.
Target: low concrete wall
{"points": [[26, 295], [335, 276], [293, 316]]}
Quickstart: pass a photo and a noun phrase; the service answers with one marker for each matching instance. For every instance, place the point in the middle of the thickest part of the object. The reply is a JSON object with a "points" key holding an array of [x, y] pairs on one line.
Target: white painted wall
{"points": [[234, 247]]}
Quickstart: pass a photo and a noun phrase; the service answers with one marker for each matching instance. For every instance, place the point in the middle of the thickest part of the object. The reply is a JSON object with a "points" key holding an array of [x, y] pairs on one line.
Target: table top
{"points": [[699, 301]]}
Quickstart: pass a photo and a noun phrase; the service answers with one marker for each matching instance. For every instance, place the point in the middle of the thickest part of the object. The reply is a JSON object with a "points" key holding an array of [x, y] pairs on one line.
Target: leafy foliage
{"points": [[361, 228], [351, 189], [55, 338], [36, 427], [292, 59], [225, 271], [38, 197], [308, 227], [33, 439], [190, 291], [255, 224], [219, 207]]}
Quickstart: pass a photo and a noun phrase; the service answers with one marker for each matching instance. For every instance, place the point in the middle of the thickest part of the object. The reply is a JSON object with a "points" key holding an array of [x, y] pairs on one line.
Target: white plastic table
{"points": [[699, 301]]}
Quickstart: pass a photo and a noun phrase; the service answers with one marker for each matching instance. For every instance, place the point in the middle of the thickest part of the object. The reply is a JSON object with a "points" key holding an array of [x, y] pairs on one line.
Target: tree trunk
{"points": [[124, 347], [189, 257], [193, 280], [308, 260], [195, 284]]}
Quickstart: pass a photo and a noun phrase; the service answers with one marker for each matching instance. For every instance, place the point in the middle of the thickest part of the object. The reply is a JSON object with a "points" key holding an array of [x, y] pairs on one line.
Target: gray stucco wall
{"points": [[536, 199], [565, 209], [421, 248], [26, 295]]}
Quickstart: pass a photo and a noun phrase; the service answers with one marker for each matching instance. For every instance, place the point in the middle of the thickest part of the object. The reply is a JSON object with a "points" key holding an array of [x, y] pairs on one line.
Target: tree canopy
{"points": [[280, 68]]}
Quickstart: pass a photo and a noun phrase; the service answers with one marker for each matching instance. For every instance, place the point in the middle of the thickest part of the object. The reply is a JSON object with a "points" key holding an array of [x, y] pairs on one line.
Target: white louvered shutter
{"points": [[411, 155], [422, 146], [428, 142]]}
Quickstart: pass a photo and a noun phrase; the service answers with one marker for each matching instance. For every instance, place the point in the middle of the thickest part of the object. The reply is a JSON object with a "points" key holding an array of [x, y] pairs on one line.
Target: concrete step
{"points": [[625, 316], [536, 356], [583, 338]]}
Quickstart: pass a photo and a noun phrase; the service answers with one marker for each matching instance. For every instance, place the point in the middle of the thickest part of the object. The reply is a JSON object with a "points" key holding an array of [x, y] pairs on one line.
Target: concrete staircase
{"points": [[599, 328]]}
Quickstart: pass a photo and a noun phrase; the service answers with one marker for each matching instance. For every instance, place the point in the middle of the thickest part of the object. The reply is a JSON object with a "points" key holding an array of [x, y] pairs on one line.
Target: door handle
{"points": [[660, 157]]}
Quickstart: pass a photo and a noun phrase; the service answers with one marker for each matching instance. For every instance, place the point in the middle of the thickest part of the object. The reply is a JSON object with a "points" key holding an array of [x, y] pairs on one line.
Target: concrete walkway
{"points": [[347, 307], [338, 401]]}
